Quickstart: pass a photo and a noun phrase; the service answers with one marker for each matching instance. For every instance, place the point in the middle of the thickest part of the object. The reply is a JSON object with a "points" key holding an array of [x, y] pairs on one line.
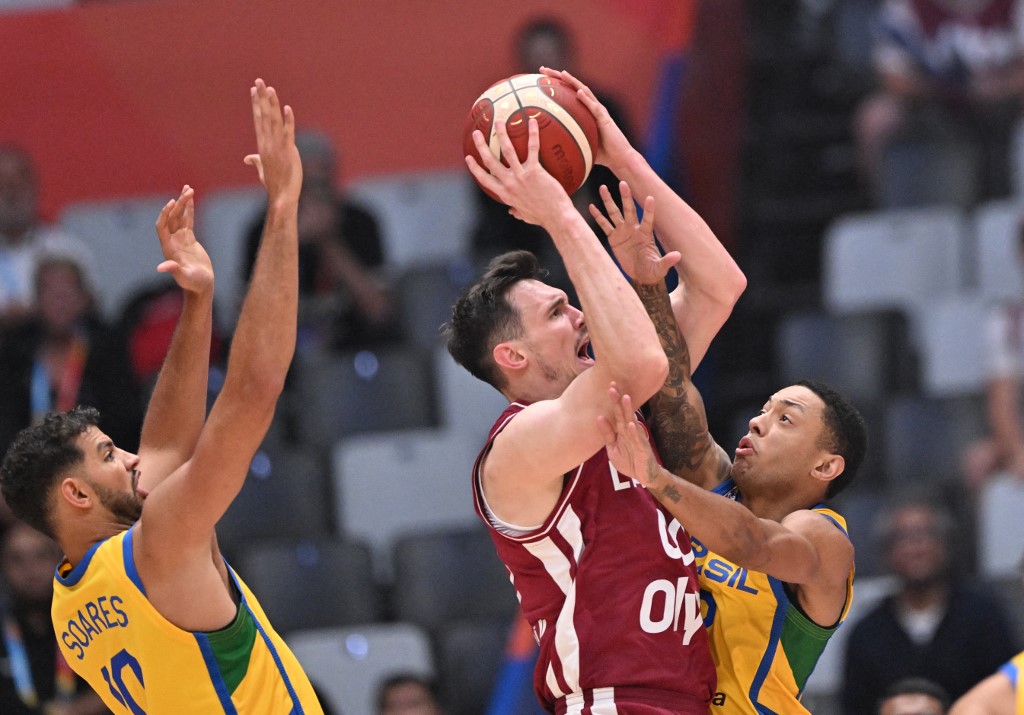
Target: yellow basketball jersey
{"points": [[1012, 670], [764, 647], [138, 662]]}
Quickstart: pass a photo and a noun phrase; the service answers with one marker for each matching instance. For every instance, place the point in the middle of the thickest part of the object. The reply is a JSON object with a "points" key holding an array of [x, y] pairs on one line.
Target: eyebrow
{"points": [[791, 403], [104, 446], [554, 303]]}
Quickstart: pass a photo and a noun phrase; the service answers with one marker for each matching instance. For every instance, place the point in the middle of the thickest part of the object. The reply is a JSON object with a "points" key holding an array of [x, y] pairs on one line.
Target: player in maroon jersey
{"points": [[605, 576]]}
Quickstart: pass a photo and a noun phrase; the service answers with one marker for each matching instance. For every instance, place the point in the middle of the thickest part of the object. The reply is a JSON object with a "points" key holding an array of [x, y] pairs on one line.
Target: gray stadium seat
{"points": [[1000, 527], [316, 583], [952, 345], [996, 235], [467, 405], [893, 259], [425, 217], [348, 665], [390, 483], [925, 437], [448, 576], [426, 294], [375, 390], [286, 495], [122, 237], [469, 657]]}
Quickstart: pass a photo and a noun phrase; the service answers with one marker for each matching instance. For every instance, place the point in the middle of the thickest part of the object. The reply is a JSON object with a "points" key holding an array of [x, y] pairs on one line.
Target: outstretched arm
{"points": [[182, 514], [800, 549], [177, 407], [710, 280]]}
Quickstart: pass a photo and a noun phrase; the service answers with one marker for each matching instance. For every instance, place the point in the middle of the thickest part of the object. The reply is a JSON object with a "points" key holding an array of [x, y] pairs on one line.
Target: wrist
{"points": [[626, 163]]}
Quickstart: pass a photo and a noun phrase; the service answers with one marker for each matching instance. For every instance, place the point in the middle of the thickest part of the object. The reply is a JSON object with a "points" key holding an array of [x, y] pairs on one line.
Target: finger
{"points": [[257, 110], [190, 212], [487, 159], [610, 205], [171, 267], [532, 140], [628, 205], [508, 152], [289, 124], [670, 259], [627, 407], [274, 113], [601, 221], [161, 219], [648, 222], [484, 177]]}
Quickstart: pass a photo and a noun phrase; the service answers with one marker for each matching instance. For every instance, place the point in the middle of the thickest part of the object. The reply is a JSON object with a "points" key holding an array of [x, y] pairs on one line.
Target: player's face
{"points": [[784, 441], [555, 336], [114, 475]]}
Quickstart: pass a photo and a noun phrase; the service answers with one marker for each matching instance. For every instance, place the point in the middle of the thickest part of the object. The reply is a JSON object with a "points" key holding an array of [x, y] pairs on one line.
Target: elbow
{"points": [[736, 284], [260, 390], [647, 374]]}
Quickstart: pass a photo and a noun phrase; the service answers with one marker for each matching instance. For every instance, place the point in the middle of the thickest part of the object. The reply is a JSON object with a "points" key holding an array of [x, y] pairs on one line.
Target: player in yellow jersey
{"points": [[775, 564], [145, 607], [999, 694]]}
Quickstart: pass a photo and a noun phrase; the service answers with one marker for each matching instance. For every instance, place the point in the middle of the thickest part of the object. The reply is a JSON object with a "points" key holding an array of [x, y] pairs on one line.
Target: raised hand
{"points": [[632, 241], [625, 440], [277, 160], [613, 147], [185, 258], [531, 192]]}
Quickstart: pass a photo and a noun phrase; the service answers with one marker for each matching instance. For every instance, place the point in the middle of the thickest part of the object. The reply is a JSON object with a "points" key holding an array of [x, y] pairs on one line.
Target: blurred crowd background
{"points": [[863, 160]]}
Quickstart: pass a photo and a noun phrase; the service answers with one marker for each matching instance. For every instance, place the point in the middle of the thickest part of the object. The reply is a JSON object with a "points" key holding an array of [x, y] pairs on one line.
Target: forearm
{"points": [[623, 337], [177, 407], [264, 340], [710, 280]]}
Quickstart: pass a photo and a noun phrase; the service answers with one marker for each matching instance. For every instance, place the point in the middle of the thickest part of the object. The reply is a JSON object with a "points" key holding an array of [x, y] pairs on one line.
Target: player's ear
{"points": [[508, 356], [828, 467], [73, 492]]}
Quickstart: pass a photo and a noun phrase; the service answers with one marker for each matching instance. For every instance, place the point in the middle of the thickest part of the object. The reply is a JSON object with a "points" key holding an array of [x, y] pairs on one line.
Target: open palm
{"points": [[626, 441], [185, 258]]}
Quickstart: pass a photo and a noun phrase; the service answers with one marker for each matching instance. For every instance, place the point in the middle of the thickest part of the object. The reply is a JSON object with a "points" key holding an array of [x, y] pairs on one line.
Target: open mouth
{"points": [[583, 352]]}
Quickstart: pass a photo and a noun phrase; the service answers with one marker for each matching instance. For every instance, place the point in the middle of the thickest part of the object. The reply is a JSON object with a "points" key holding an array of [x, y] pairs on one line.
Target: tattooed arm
{"points": [[678, 421]]}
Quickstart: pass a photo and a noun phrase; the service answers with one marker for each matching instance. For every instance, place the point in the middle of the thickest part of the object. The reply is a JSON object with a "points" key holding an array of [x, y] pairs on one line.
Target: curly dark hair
{"points": [[483, 317], [37, 457], [846, 433]]}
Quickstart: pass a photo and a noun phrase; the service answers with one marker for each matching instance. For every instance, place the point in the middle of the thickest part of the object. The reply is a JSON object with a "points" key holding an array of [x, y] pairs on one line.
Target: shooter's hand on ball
{"points": [[613, 148], [534, 195]]}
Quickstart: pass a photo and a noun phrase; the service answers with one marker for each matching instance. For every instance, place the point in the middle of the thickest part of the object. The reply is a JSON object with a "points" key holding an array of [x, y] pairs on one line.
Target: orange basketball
{"points": [[568, 131]]}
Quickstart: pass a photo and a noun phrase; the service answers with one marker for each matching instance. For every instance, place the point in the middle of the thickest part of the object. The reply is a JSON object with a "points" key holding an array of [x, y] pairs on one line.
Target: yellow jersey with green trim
{"points": [[1012, 670], [139, 662], [763, 645]]}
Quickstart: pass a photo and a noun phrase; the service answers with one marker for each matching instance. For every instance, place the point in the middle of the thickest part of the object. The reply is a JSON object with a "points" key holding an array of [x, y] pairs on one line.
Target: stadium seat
{"points": [[390, 483], [375, 390], [469, 657], [893, 259], [315, 583], [952, 345], [996, 236], [862, 355], [348, 665], [467, 405], [426, 294], [122, 237], [425, 217], [223, 219], [925, 437], [1000, 527], [285, 495], [446, 576]]}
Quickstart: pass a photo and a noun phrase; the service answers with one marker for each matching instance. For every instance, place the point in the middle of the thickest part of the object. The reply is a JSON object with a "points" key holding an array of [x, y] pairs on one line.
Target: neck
{"points": [[920, 597], [777, 506]]}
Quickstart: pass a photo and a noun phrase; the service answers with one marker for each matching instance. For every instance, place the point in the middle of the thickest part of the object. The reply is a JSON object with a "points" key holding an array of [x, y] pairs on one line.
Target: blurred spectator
{"points": [[1003, 451], [343, 301], [914, 696], [547, 42], [64, 355], [407, 694], [937, 625], [941, 126], [34, 677], [23, 236]]}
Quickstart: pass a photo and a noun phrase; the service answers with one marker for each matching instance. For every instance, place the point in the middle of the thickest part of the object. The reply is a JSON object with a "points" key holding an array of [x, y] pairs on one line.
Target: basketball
{"points": [[568, 131]]}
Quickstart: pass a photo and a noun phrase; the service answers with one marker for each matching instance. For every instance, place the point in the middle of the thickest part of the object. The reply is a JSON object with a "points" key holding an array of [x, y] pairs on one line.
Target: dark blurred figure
{"points": [[344, 302], [23, 235], [940, 127], [34, 678], [407, 694], [914, 696], [547, 42], [938, 625], [64, 355]]}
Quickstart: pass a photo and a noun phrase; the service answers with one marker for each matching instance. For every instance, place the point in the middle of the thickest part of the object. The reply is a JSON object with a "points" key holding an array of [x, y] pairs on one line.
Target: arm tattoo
{"points": [[678, 420]]}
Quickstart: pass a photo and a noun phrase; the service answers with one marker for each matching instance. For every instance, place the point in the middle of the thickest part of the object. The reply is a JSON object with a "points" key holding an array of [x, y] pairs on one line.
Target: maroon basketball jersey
{"points": [[609, 586]]}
